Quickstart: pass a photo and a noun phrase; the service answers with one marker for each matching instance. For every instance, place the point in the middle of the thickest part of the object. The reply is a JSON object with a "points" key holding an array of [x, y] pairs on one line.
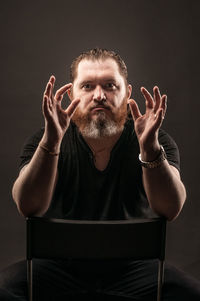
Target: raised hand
{"points": [[148, 124], [56, 118]]}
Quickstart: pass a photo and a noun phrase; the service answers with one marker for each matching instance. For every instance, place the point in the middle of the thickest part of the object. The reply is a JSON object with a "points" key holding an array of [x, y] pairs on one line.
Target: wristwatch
{"points": [[155, 163]]}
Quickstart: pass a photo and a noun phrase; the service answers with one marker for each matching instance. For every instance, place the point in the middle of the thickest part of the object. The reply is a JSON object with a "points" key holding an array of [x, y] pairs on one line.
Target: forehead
{"points": [[98, 69]]}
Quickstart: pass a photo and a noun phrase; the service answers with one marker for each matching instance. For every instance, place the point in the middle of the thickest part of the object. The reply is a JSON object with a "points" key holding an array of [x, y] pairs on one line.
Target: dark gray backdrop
{"points": [[158, 39]]}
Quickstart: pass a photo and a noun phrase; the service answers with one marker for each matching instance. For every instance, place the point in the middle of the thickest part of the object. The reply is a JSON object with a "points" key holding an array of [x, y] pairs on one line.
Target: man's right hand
{"points": [[34, 187], [56, 118]]}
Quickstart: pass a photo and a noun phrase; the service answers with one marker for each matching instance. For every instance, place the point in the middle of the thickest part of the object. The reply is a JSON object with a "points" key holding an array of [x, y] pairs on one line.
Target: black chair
{"points": [[138, 239]]}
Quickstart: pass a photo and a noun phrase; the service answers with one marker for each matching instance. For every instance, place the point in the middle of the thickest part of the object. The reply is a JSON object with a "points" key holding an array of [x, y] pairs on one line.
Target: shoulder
{"points": [[29, 147], [171, 148], [167, 141], [33, 140]]}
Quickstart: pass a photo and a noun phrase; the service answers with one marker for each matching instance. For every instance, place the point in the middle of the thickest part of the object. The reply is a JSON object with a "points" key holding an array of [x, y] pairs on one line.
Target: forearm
{"points": [[163, 186], [164, 189], [34, 187]]}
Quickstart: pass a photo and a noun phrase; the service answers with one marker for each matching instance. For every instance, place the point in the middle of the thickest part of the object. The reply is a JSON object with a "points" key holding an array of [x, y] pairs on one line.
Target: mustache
{"points": [[104, 106]]}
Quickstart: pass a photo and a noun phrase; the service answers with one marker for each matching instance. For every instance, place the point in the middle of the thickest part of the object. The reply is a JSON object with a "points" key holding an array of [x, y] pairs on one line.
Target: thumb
{"points": [[72, 107]]}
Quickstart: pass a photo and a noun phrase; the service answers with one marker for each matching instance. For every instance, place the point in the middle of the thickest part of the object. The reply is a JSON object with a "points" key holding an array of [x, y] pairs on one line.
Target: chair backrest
{"points": [[59, 238]]}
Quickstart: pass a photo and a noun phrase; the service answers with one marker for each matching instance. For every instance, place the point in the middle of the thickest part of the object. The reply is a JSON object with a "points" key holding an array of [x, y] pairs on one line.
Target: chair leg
{"points": [[30, 279], [160, 279]]}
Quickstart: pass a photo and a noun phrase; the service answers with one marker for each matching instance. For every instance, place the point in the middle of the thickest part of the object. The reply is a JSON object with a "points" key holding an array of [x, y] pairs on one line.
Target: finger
{"points": [[49, 86], [52, 81], [46, 106], [148, 98], [60, 93], [159, 119], [157, 98], [72, 107], [135, 112], [47, 90], [164, 104]]}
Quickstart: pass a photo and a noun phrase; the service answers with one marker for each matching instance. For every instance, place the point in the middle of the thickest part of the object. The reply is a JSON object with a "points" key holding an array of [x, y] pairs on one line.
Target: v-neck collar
{"points": [[117, 145]]}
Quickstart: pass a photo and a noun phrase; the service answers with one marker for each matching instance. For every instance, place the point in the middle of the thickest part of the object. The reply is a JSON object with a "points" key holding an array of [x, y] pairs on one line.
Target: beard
{"points": [[101, 125]]}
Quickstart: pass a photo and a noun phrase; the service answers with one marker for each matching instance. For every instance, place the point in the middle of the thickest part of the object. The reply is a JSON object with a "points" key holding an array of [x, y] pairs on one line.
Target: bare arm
{"points": [[34, 187], [165, 191]]}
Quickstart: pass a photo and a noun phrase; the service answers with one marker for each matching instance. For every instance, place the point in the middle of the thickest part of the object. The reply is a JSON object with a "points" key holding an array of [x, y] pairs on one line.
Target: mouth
{"points": [[100, 108]]}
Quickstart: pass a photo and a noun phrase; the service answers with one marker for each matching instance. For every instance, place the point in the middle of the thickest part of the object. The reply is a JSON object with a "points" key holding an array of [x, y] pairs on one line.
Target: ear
{"points": [[69, 92], [129, 91]]}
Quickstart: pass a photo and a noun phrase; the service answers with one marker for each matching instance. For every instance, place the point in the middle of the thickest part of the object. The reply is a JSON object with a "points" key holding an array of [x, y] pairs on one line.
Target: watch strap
{"points": [[155, 163]]}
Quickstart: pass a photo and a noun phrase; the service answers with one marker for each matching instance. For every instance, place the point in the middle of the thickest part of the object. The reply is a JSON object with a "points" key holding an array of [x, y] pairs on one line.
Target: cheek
{"points": [[118, 100], [85, 101], [84, 97]]}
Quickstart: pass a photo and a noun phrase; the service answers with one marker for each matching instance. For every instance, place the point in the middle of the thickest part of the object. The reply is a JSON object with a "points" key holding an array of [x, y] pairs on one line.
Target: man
{"points": [[94, 160]]}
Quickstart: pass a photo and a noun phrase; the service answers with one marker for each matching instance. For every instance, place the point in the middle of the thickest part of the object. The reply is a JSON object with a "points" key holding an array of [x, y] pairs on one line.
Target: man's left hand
{"points": [[148, 124]]}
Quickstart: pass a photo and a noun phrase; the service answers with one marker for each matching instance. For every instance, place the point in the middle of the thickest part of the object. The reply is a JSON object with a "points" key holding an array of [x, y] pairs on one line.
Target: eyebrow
{"points": [[89, 81], [85, 82]]}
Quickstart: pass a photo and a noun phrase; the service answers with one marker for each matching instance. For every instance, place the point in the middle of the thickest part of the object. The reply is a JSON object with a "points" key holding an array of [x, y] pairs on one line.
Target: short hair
{"points": [[96, 54]]}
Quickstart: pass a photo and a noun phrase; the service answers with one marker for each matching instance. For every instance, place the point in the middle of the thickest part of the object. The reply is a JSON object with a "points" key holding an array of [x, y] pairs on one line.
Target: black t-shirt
{"points": [[84, 192]]}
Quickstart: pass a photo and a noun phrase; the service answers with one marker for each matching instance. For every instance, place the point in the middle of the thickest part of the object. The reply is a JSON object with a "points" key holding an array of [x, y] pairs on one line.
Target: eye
{"points": [[110, 86], [87, 86]]}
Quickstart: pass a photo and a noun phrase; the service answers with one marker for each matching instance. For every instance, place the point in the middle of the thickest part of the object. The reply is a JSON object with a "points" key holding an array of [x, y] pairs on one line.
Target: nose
{"points": [[99, 94]]}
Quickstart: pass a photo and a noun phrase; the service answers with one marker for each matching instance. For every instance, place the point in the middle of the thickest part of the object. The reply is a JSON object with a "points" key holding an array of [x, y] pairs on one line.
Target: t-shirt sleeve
{"points": [[170, 148], [29, 148]]}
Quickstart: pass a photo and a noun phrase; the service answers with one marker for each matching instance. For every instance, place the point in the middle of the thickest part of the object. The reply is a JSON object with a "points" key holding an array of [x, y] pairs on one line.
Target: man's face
{"points": [[103, 93]]}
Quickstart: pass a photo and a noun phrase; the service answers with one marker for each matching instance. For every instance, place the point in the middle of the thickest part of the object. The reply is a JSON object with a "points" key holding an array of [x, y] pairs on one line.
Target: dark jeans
{"points": [[96, 280]]}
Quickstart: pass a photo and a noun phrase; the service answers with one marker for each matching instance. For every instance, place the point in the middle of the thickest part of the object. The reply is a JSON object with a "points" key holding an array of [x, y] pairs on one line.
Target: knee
{"points": [[180, 286], [6, 295], [12, 274], [13, 282]]}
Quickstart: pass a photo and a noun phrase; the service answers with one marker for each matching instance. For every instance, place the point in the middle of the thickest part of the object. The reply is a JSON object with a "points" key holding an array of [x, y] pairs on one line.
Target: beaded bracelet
{"points": [[47, 150]]}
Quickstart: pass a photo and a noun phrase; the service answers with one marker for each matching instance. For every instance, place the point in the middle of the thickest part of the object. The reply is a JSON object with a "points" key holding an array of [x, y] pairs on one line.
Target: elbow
{"points": [[170, 209], [178, 203], [169, 214], [18, 201], [26, 206], [172, 216], [175, 209], [26, 211]]}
